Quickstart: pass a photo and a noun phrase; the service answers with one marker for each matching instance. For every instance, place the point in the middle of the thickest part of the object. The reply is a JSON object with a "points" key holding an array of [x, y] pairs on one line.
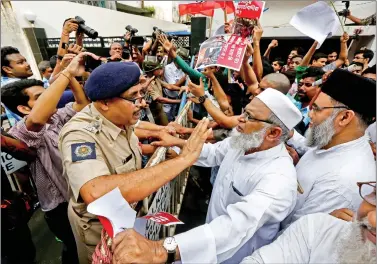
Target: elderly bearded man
{"points": [[322, 238], [341, 154], [255, 190]]}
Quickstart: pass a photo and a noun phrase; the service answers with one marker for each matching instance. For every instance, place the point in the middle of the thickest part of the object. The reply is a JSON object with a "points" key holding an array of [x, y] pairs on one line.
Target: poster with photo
{"points": [[223, 51], [247, 13]]}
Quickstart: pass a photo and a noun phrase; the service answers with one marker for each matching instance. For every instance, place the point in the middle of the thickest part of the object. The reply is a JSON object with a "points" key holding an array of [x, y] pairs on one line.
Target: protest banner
{"points": [[223, 51], [250, 9]]}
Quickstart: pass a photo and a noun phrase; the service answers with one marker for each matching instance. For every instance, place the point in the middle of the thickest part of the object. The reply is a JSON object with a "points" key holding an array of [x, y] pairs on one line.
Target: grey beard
{"points": [[247, 142], [321, 135], [353, 249]]}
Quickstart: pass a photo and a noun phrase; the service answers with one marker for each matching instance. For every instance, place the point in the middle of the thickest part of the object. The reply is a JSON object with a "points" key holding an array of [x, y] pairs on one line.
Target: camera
{"points": [[85, 29], [132, 30], [345, 12]]}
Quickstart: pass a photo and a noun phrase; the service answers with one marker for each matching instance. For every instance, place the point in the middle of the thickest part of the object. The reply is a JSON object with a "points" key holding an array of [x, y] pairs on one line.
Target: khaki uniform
{"points": [[92, 146], [156, 107]]}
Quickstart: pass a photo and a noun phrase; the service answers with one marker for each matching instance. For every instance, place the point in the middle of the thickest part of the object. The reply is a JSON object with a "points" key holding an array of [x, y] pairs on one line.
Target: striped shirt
{"points": [[47, 169]]}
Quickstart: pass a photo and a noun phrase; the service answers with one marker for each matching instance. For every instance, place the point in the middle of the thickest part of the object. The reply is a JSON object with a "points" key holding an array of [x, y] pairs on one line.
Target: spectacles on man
{"points": [[136, 100], [245, 115], [317, 108], [367, 191], [307, 84]]}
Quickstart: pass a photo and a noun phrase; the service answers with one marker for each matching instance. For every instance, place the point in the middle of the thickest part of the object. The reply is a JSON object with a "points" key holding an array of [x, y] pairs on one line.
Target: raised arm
{"points": [[247, 72], [137, 185], [220, 118], [343, 54], [308, 56], [217, 90], [46, 104], [257, 58], [69, 26], [273, 44]]}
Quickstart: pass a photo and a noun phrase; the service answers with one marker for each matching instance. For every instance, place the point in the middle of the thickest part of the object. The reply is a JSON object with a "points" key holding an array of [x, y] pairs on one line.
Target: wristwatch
{"points": [[171, 247], [202, 99]]}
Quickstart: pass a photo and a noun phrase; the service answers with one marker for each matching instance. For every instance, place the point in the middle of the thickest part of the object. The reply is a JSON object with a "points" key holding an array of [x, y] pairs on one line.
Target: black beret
{"points": [[111, 79], [355, 91], [149, 66]]}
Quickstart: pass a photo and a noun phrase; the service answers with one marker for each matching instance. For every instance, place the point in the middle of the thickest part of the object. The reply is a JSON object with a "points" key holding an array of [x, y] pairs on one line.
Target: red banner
{"points": [[163, 218], [250, 9]]}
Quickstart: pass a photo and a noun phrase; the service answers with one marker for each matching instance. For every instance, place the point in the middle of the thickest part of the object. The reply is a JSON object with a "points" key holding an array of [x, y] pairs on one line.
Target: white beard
{"points": [[353, 249], [247, 142], [321, 135]]}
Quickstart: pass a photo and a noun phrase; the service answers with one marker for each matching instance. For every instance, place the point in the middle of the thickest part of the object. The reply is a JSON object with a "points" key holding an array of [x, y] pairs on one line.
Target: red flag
{"points": [[228, 6], [206, 7]]}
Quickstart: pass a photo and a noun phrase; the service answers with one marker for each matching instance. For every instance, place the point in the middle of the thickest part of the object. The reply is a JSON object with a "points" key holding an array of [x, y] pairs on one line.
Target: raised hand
{"points": [[166, 44], [75, 67], [344, 38], [274, 43], [197, 90], [258, 31], [74, 48], [209, 71], [70, 26], [194, 144]]}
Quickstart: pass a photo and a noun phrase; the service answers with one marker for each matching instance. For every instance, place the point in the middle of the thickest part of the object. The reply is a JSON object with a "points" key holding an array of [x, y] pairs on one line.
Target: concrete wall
{"points": [[13, 35], [164, 9], [51, 15]]}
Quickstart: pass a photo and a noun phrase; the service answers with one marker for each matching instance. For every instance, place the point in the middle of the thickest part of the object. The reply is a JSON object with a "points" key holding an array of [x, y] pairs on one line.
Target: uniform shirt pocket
{"points": [[127, 167]]}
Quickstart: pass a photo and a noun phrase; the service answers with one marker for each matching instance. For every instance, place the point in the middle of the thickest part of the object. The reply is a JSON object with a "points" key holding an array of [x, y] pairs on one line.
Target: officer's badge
{"points": [[83, 151]]}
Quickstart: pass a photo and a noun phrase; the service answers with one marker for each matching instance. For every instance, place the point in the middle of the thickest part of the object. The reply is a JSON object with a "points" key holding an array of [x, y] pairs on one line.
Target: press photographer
{"points": [[370, 20]]}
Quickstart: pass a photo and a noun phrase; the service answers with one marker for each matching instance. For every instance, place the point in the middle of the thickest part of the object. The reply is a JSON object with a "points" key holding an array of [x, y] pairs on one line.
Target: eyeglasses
{"points": [[306, 84], [245, 115], [316, 108], [367, 191], [134, 100]]}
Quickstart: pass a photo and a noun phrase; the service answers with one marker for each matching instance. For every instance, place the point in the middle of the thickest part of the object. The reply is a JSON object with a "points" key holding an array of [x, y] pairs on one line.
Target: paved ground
{"points": [[193, 214]]}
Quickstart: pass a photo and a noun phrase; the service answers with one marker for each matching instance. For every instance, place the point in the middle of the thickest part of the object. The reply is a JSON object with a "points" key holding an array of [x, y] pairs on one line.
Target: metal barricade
{"points": [[170, 196]]}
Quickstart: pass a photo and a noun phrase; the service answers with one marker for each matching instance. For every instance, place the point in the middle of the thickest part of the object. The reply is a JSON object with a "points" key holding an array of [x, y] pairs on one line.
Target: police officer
{"points": [[101, 152]]}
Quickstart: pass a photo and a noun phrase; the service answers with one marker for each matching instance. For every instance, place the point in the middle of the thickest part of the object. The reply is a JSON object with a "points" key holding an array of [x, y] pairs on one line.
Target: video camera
{"points": [[135, 40], [85, 29], [345, 12], [160, 31]]}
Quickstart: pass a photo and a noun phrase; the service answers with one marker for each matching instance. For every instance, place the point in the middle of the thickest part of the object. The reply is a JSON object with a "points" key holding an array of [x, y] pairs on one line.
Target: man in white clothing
{"points": [[322, 238], [340, 153], [255, 190]]}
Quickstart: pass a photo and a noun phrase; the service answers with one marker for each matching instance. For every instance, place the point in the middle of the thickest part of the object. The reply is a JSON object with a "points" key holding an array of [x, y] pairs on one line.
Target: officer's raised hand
{"points": [[193, 147]]}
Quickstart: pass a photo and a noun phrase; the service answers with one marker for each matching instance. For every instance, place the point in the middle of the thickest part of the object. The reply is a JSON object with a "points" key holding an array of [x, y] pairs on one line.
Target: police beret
{"points": [[111, 79], [355, 91], [149, 66]]}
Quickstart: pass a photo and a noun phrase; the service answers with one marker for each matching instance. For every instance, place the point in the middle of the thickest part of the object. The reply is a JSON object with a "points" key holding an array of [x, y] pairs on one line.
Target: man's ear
{"points": [[345, 118], [7, 69], [274, 134], [24, 109], [103, 104]]}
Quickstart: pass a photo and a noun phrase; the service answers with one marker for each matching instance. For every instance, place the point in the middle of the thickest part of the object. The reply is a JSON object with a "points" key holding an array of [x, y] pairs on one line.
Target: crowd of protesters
{"points": [[290, 140]]}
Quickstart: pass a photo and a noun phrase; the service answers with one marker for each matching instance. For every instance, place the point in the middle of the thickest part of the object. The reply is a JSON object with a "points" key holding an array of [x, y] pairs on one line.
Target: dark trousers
{"points": [[17, 246], [57, 221]]}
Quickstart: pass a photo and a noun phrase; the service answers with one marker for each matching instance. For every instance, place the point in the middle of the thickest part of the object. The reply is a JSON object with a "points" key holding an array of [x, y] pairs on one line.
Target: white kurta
{"points": [[311, 239], [329, 178], [251, 196]]}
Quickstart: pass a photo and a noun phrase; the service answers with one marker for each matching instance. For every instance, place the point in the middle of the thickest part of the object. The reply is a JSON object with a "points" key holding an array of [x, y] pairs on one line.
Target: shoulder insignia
{"points": [[93, 127], [83, 151]]}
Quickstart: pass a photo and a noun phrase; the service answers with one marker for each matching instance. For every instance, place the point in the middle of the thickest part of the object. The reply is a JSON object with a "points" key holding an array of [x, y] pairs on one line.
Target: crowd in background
{"points": [[80, 130]]}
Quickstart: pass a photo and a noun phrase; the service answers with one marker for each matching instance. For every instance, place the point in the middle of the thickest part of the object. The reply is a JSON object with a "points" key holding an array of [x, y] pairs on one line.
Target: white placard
{"points": [[11, 164]]}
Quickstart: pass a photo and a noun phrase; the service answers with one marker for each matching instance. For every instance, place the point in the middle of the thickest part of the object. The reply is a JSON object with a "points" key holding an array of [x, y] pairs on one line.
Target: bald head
{"points": [[277, 81]]}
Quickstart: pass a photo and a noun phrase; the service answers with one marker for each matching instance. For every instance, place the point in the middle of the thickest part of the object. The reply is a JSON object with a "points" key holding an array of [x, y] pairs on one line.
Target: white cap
{"points": [[281, 106]]}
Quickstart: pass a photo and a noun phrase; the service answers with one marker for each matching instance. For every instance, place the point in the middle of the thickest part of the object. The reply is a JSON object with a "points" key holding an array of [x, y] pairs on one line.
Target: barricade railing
{"points": [[169, 197]]}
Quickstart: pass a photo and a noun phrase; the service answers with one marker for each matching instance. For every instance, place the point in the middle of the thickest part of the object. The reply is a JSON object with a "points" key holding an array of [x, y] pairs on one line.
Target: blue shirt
{"points": [[304, 111]]}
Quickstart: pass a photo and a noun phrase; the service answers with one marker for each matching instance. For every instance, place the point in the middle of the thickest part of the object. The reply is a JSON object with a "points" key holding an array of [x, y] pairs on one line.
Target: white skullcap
{"points": [[281, 106]]}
